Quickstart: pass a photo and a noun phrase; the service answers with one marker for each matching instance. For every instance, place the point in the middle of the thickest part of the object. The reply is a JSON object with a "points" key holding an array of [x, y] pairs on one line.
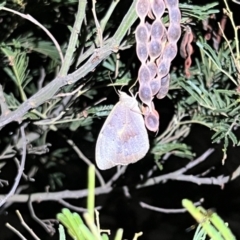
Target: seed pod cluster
{"points": [[156, 47]]}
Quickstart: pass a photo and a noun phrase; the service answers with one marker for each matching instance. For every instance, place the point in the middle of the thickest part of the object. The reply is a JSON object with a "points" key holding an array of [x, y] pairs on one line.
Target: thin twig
{"points": [[41, 78], [26, 226], [33, 20], [120, 171], [15, 231], [109, 12], [26, 178], [3, 182], [70, 206], [168, 210], [55, 196], [179, 175], [98, 27], [48, 226], [20, 170], [86, 160]]}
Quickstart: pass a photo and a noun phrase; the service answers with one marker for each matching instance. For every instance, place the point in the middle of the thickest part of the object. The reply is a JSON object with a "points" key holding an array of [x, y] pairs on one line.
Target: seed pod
{"points": [[142, 8], [162, 92], [155, 85], [142, 33], [175, 16], [158, 7], [152, 68], [152, 120], [165, 82], [142, 52], [163, 68], [154, 48], [144, 74], [173, 33], [157, 29], [145, 94], [170, 51], [171, 3]]}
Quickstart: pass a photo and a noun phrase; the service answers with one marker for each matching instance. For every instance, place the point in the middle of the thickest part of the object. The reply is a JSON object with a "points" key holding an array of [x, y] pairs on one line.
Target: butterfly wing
{"points": [[123, 138], [133, 143]]}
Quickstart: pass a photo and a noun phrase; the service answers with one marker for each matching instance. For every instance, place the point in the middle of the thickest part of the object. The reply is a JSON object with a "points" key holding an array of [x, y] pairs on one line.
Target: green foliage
{"points": [[198, 12], [211, 224], [214, 98], [79, 229]]}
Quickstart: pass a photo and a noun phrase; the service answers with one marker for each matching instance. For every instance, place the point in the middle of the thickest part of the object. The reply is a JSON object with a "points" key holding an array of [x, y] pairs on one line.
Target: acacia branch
{"points": [[179, 175], [48, 92]]}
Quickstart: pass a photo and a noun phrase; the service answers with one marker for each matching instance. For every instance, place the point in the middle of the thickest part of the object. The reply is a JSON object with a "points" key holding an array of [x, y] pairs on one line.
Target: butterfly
{"points": [[123, 138]]}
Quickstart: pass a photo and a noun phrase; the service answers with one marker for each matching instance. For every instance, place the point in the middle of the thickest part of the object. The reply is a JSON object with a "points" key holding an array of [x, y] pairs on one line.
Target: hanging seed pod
{"points": [[163, 68], [174, 33], [144, 75], [142, 52], [175, 15], [155, 85], [157, 29], [142, 8], [165, 82], [170, 51], [154, 48], [157, 7], [171, 3], [152, 68], [152, 119], [145, 94], [142, 33]]}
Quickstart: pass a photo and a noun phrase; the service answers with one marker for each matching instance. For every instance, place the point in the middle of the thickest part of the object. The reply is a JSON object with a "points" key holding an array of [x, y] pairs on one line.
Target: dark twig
{"points": [[26, 226], [20, 170], [46, 224], [165, 210], [86, 160], [15, 231]]}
